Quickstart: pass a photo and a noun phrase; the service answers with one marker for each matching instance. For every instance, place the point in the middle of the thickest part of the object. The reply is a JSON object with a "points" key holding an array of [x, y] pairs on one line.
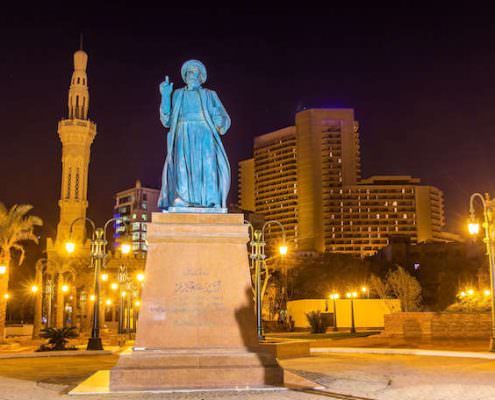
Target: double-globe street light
{"points": [[258, 257], [489, 239], [97, 253]]}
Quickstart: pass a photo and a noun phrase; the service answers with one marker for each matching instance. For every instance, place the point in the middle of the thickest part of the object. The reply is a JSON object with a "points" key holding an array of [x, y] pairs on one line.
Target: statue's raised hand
{"points": [[166, 87]]}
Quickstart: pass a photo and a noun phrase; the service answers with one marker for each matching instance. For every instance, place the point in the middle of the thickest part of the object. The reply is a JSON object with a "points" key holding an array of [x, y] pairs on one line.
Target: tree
{"points": [[16, 227], [401, 285], [406, 288]]}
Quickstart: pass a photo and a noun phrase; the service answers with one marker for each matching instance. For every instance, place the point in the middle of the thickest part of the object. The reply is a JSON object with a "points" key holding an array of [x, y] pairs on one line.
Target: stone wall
{"points": [[431, 325]]}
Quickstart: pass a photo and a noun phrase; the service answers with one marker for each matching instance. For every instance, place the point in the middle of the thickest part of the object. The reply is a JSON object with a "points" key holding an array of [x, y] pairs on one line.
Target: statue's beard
{"points": [[193, 83]]}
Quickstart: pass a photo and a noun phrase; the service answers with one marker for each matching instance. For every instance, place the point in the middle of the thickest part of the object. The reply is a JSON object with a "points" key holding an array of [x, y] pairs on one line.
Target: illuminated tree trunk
{"points": [[4, 287], [59, 317], [74, 314], [38, 301]]}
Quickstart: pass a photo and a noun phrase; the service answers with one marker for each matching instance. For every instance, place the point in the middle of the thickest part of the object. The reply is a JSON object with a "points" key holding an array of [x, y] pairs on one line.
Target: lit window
{"points": [[144, 217], [404, 216], [394, 204]]}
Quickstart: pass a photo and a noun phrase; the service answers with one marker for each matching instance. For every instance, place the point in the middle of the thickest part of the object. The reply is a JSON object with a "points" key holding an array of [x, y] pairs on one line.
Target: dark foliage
{"points": [[57, 338], [318, 322]]}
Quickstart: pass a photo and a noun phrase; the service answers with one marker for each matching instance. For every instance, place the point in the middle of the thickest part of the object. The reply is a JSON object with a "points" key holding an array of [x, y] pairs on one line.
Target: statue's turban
{"points": [[194, 64]]}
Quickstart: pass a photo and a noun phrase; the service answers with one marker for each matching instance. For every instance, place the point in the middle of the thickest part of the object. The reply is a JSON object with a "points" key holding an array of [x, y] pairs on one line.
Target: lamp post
{"points": [[258, 257], [489, 239], [352, 296], [334, 297], [97, 252]]}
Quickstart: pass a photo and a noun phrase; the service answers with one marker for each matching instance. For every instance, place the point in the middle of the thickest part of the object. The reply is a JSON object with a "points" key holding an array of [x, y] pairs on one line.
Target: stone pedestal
{"points": [[196, 327]]}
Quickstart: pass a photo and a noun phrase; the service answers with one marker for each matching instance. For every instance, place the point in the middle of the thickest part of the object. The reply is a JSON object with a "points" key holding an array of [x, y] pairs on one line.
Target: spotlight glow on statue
{"points": [[196, 174]]}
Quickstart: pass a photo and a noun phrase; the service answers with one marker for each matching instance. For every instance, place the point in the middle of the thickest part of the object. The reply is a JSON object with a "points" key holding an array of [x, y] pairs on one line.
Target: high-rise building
{"points": [[133, 208], [327, 157], [308, 177], [275, 179]]}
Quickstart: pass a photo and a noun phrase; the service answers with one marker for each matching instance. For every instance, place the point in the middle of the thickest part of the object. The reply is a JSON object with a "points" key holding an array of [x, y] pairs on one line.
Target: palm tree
{"points": [[15, 228]]}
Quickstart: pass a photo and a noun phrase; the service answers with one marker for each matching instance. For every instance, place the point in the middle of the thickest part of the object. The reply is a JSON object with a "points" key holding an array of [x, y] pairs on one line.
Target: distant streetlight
{"points": [[258, 256], [125, 248], [489, 239], [3, 269], [334, 297], [34, 289], [104, 277], [70, 247], [65, 288], [352, 296]]}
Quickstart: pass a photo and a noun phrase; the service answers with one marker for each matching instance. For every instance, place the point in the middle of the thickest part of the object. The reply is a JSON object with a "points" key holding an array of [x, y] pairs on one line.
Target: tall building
{"points": [[308, 177], [327, 157], [76, 133], [133, 208], [275, 179]]}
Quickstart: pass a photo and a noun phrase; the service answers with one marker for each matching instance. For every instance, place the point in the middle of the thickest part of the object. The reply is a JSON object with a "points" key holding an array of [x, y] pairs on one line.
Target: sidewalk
{"points": [[343, 339]]}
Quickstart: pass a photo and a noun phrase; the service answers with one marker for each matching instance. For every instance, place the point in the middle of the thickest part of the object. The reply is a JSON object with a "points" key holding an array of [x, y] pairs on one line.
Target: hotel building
{"points": [[308, 177]]}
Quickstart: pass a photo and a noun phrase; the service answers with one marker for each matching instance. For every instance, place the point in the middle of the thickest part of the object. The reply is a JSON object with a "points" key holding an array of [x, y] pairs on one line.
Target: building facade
{"points": [[362, 217], [308, 177], [133, 209]]}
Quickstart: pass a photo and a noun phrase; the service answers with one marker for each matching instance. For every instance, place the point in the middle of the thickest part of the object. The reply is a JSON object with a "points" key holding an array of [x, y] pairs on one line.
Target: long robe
{"points": [[196, 171]]}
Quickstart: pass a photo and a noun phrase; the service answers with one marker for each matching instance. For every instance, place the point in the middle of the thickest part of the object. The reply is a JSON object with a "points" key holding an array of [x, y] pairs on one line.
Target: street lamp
{"points": [[352, 296], [258, 257], [97, 252], [489, 239], [334, 297]]}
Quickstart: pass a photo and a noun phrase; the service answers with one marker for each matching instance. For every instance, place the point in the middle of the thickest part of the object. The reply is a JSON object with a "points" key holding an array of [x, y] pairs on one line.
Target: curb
{"points": [[67, 353], [413, 352]]}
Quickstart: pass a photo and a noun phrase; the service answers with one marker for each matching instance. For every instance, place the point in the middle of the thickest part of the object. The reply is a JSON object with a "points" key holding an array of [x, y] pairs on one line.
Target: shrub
{"points": [[318, 323], [57, 338], [289, 324]]}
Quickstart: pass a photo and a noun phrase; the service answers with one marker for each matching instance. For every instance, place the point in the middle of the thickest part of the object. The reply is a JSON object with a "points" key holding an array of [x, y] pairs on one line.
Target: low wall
{"points": [[430, 325], [19, 330], [368, 313]]}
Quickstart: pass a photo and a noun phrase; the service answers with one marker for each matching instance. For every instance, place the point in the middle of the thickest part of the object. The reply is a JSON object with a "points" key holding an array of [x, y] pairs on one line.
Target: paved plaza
{"points": [[380, 377]]}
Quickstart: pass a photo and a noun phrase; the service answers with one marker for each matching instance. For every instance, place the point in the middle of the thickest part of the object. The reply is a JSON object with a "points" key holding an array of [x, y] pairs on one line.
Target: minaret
{"points": [[76, 134]]}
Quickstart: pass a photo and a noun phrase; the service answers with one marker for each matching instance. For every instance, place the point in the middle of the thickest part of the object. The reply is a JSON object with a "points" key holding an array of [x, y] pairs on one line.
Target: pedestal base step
{"points": [[161, 370]]}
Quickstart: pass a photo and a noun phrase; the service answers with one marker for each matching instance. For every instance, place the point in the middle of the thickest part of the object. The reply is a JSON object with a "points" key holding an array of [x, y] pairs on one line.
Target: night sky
{"points": [[421, 82]]}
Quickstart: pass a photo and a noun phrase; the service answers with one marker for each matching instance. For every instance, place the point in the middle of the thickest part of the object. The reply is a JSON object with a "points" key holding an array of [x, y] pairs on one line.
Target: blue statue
{"points": [[196, 173]]}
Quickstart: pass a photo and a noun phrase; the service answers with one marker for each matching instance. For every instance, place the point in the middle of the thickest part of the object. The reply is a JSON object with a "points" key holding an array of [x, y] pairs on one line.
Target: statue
{"points": [[196, 174]]}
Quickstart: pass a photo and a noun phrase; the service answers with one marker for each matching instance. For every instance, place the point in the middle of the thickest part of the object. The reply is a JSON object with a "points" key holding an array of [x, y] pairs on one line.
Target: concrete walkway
{"points": [[372, 376]]}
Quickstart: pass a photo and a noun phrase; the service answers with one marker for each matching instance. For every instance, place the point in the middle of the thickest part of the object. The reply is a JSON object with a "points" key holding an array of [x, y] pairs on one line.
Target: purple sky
{"points": [[421, 83]]}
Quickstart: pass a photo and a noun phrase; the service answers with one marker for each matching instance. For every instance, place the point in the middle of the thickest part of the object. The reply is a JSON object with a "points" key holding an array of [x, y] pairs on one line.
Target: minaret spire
{"points": [[78, 93], [76, 134]]}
